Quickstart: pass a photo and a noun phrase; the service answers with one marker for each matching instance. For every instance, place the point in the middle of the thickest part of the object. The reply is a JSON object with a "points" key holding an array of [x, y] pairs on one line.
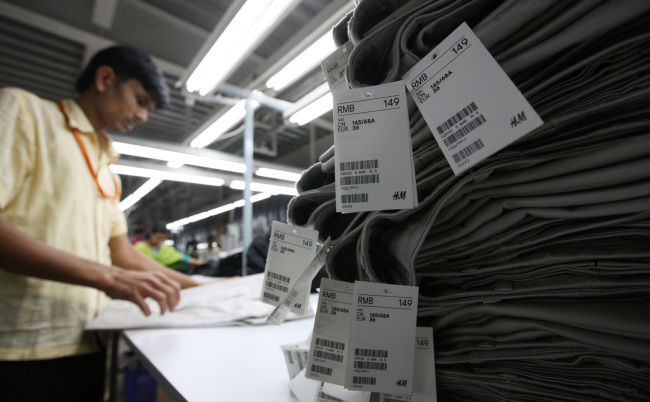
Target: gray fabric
{"points": [[533, 266]]}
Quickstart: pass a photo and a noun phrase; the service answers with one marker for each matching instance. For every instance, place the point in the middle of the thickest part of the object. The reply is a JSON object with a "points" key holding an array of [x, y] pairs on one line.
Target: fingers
{"points": [[139, 300], [137, 286], [163, 290]]}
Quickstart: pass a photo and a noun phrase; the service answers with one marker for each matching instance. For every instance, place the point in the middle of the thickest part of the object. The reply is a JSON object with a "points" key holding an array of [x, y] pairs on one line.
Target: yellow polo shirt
{"points": [[47, 192]]}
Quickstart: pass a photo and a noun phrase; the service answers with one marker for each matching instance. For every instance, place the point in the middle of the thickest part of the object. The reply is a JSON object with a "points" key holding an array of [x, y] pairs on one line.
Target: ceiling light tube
{"points": [[278, 174], [137, 195], [177, 158], [303, 63], [266, 188], [242, 34], [314, 110], [225, 122], [215, 211], [164, 175]]}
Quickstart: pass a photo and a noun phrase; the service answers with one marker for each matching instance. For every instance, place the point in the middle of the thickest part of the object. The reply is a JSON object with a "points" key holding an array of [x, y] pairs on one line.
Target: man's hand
{"points": [[136, 286]]}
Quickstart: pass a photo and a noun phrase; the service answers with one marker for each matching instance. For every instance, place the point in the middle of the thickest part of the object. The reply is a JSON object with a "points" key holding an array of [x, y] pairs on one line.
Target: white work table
{"points": [[240, 364]]}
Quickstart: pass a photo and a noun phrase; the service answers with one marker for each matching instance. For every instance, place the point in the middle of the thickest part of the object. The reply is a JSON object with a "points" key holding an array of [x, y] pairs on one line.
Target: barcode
{"points": [[354, 198], [324, 397], [364, 179], [457, 117], [273, 285], [389, 399], [463, 131], [330, 344], [279, 277], [371, 365], [321, 370], [290, 356], [356, 165], [468, 150], [329, 356], [271, 296], [364, 380], [370, 352], [302, 359]]}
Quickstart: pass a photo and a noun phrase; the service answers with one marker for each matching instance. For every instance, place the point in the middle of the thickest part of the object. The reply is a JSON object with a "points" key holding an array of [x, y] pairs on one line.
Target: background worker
{"points": [[63, 240], [154, 247]]}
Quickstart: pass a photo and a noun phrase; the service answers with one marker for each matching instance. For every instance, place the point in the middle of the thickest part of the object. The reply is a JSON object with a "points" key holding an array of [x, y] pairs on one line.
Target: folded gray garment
{"points": [[327, 155], [377, 58], [522, 382], [568, 14], [629, 252], [409, 227], [509, 17], [314, 178], [530, 235], [340, 30], [618, 328], [370, 13], [552, 287], [605, 17], [301, 207], [628, 381], [499, 216], [624, 319]]}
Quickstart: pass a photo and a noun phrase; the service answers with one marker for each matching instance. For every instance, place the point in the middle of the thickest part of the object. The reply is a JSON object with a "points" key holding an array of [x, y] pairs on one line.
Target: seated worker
{"points": [[154, 247]]}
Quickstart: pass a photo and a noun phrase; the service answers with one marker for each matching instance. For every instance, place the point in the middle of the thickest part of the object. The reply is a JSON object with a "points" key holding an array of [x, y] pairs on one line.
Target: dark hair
{"points": [[158, 227], [128, 63]]}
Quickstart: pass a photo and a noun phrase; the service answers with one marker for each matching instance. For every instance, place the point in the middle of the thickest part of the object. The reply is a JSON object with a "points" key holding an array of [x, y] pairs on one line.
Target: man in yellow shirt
{"points": [[63, 240]]}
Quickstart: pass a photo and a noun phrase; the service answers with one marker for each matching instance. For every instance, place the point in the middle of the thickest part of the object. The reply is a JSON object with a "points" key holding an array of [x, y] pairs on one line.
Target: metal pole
{"points": [[248, 178]]}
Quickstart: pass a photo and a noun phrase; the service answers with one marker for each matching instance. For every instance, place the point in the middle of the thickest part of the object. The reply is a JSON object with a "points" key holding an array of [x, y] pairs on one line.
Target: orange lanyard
{"points": [[85, 154]]}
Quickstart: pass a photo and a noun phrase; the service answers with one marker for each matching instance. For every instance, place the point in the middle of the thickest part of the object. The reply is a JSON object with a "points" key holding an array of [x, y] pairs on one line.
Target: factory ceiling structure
{"points": [[189, 157]]}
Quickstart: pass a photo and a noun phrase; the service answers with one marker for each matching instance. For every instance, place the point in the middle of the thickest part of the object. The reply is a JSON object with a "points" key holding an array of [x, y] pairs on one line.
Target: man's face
{"points": [[157, 238], [124, 104]]}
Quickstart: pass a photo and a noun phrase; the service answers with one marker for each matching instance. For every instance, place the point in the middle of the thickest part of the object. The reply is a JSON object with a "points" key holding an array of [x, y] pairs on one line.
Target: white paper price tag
{"points": [[296, 356], [331, 336], [282, 309], [372, 142], [341, 394], [469, 102], [290, 251], [334, 67], [424, 371], [382, 337]]}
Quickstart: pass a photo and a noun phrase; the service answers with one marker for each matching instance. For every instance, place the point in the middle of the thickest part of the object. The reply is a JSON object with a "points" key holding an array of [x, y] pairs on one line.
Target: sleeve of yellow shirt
{"points": [[16, 143]]}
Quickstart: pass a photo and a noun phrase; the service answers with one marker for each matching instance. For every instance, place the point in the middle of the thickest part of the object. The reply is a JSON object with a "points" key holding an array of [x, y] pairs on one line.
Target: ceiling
{"points": [[44, 45]]}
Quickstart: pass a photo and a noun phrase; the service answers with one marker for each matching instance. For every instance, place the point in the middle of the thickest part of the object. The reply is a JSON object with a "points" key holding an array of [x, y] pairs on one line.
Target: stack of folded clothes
{"points": [[534, 265]]}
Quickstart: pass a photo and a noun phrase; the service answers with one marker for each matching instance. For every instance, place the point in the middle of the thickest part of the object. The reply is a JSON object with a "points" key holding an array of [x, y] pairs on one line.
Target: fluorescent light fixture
{"points": [[216, 211], [162, 175], [243, 33], [303, 63], [227, 121], [278, 174], [177, 158], [137, 195], [266, 188], [315, 109], [175, 164]]}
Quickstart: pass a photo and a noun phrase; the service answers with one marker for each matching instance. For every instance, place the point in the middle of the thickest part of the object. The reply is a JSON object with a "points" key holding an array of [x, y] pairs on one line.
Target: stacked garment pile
{"points": [[534, 265]]}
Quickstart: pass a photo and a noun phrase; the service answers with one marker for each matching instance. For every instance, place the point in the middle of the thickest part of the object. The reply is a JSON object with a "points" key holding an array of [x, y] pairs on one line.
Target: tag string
{"points": [[85, 154]]}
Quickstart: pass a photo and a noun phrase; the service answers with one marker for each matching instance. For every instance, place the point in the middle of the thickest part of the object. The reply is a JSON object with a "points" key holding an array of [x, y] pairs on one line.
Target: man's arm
{"points": [[125, 255], [24, 255]]}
